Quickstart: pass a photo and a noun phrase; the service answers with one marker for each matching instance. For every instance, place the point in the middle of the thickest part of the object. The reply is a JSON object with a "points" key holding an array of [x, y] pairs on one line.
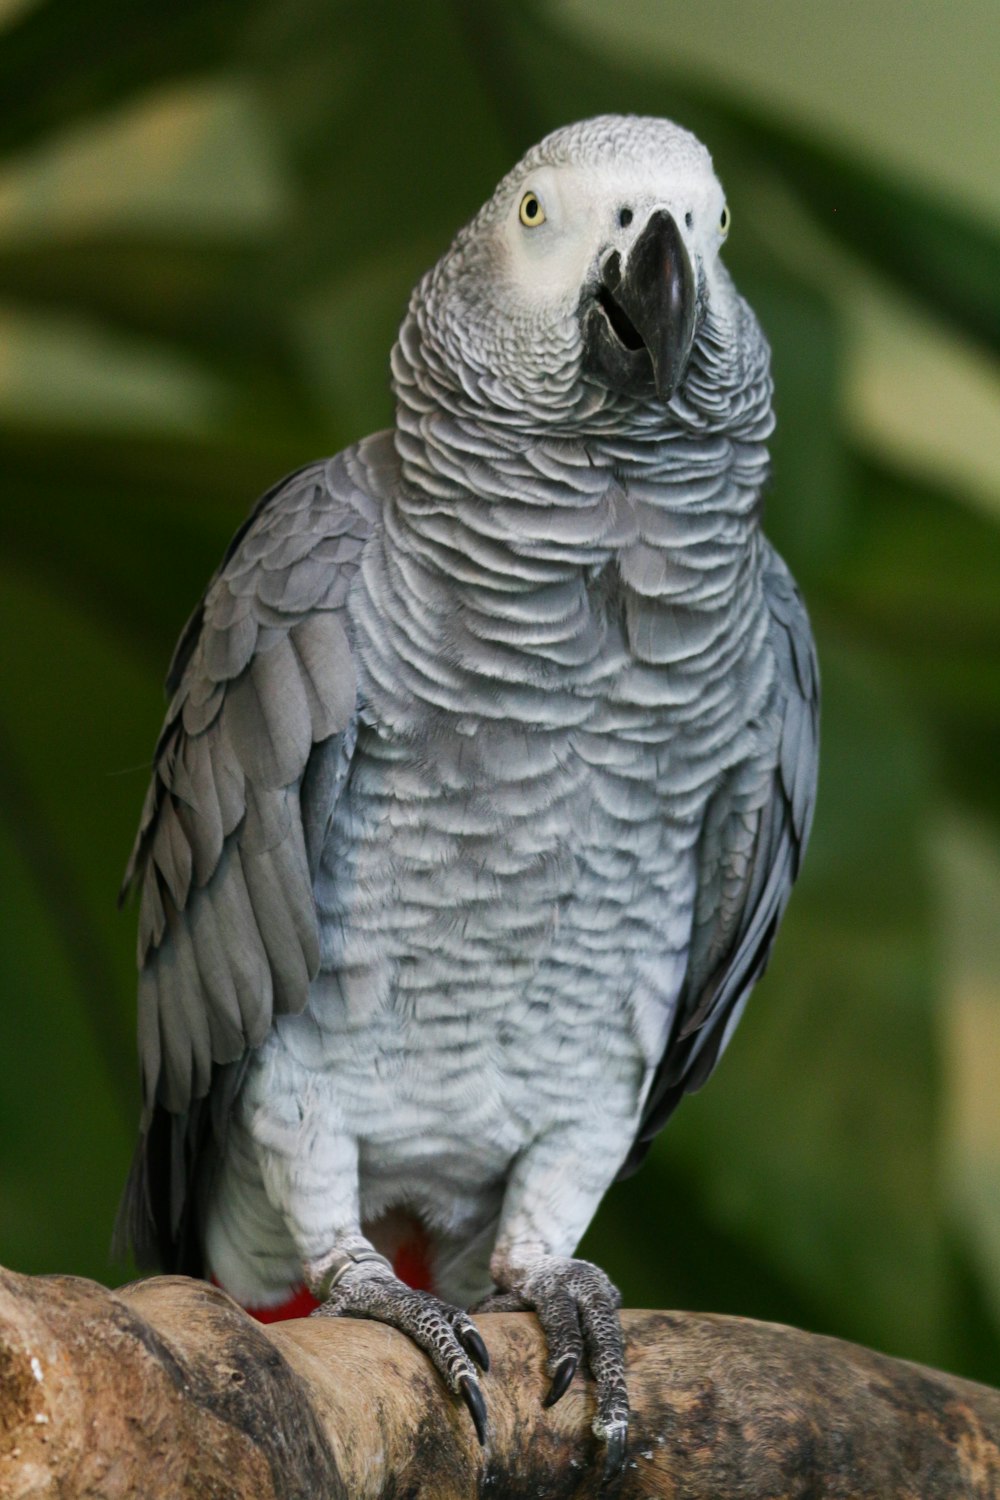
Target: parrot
{"points": [[489, 765]]}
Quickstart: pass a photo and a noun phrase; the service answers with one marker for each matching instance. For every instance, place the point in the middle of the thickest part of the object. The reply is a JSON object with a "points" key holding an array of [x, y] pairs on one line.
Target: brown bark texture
{"points": [[167, 1389]]}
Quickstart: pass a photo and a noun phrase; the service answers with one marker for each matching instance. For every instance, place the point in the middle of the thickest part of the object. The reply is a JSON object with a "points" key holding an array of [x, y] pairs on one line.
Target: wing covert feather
{"points": [[263, 706]]}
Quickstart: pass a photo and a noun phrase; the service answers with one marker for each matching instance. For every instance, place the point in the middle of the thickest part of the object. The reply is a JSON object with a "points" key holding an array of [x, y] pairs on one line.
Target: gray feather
{"points": [[244, 949], [222, 845], [327, 672], [172, 854], [200, 710], [198, 809], [280, 893], [227, 775], [726, 960], [268, 720], [216, 980], [226, 649]]}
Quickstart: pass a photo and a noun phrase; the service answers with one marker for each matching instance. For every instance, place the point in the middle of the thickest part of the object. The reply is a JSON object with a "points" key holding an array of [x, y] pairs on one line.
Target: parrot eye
{"points": [[724, 222], [531, 212]]}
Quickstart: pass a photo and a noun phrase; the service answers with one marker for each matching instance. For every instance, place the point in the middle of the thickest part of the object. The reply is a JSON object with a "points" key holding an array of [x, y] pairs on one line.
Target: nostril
{"points": [[689, 219], [625, 217], [611, 271]]}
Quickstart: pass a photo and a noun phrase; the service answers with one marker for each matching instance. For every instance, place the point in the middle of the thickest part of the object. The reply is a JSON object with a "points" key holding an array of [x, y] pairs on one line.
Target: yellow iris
{"points": [[531, 212]]}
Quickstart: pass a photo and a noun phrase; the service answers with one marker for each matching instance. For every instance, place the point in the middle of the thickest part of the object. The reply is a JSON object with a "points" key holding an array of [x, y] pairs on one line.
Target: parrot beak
{"points": [[641, 324]]}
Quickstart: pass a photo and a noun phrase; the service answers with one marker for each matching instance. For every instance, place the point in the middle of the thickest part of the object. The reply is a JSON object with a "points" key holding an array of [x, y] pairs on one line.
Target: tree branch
{"points": [[166, 1388]]}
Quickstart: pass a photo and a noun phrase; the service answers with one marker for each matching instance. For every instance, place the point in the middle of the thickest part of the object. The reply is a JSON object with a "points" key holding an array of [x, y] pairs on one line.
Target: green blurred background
{"points": [[211, 215]]}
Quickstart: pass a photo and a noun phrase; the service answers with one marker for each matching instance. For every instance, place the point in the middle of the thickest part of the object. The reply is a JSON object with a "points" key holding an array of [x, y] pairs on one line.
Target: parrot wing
{"points": [[257, 741], [752, 843]]}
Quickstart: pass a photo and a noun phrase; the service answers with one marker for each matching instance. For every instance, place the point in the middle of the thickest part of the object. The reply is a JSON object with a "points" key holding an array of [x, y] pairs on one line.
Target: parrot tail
{"points": [[411, 1261]]}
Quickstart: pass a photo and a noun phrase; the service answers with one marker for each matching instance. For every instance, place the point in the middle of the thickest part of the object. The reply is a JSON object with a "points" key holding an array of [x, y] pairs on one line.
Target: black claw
{"points": [[473, 1345], [473, 1398], [614, 1456], [561, 1379]]}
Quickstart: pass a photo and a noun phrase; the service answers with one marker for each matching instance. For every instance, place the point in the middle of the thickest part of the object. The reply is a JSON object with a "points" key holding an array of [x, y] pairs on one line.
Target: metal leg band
{"points": [[340, 1263]]}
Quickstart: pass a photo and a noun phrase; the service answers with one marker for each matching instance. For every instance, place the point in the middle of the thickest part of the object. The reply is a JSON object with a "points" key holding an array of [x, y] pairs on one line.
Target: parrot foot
{"points": [[446, 1334], [577, 1306]]}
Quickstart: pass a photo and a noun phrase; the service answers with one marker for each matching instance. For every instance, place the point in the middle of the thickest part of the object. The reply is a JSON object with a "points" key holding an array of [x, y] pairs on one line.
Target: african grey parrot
{"points": [[489, 767]]}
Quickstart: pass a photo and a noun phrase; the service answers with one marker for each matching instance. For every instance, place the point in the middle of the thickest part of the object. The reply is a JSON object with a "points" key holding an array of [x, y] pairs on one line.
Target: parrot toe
{"points": [[562, 1379], [615, 1438], [473, 1397], [472, 1342], [446, 1334], [577, 1306]]}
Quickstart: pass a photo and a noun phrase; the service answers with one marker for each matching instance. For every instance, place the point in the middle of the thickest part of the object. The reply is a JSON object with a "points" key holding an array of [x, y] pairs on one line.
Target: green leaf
{"points": [[968, 871], [918, 590], [943, 257], [61, 62], [78, 721], [64, 1143], [807, 507], [392, 138], [198, 295], [127, 531]]}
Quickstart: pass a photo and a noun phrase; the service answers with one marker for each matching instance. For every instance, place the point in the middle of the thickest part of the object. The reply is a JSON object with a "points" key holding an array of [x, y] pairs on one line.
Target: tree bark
{"points": [[167, 1389]]}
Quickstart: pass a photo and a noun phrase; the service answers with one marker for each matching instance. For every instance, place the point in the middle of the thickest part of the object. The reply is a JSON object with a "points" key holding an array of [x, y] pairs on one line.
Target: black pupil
{"points": [[625, 217], [531, 208]]}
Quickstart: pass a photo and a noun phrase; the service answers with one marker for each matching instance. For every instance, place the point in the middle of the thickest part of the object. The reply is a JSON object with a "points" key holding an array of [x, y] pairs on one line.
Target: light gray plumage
{"points": [[489, 767]]}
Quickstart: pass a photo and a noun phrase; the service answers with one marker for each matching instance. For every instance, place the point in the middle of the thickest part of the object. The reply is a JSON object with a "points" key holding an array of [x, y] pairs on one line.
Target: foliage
{"points": [[210, 218]]}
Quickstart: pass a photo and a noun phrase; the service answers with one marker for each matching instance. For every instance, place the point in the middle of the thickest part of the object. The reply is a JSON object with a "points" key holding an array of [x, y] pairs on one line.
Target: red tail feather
{"points": [[411, 1264], [299, 1305]]}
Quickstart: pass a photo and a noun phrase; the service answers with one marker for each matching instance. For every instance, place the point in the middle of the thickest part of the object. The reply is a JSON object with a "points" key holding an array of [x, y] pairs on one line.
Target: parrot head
{"points": [[588, 279]]}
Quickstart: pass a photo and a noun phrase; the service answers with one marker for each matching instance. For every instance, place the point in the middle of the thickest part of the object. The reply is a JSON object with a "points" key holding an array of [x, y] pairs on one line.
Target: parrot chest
{"points": [[487, 971], [506, 890], [505, 904]]}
